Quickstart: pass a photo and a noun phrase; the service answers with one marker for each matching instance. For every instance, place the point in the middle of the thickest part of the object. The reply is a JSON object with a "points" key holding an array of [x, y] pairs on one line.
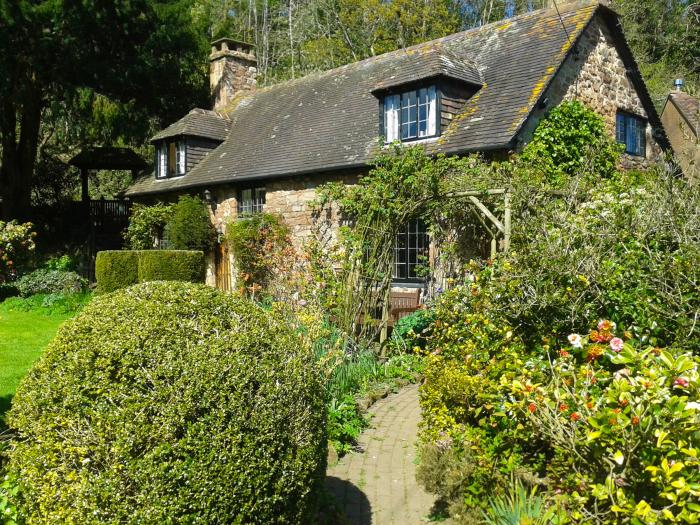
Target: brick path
{"points": [[378, 486]]}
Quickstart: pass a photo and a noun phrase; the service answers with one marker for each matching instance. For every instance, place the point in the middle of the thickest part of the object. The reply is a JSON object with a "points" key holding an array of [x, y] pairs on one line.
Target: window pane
{"points": [[172, 162], [631, 124], [641, 138], [620, 129], [410, 250]]}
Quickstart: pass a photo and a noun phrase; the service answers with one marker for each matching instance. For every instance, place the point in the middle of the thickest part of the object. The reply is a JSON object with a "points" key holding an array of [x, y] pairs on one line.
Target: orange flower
{"points": [[564, 353], [590, 405], [594, 352], [635, 420], [575, 416], [624, 403], [563, 407], [531, 408]]}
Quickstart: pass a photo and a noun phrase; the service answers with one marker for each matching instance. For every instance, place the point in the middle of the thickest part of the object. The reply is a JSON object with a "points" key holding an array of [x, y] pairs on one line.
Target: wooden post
{"points": [[385, 319], [506, 222], [84, 193]]}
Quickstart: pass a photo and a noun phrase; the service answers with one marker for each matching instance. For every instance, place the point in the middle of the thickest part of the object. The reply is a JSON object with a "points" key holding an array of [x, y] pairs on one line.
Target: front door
{"points": [[223, 267]]}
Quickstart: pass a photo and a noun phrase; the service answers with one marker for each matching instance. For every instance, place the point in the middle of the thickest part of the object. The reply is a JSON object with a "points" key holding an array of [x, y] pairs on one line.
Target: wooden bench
{"points": [[402, 304]]}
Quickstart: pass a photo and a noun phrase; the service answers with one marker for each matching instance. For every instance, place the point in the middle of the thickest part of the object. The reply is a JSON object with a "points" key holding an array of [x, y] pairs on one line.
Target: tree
{"points": [[142, 53]]}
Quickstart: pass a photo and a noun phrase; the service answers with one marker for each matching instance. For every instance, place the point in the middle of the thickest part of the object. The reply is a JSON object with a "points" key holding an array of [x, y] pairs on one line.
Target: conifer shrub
{"points": [[170, 403], [171, 265], [190, 227], [115, 269]]}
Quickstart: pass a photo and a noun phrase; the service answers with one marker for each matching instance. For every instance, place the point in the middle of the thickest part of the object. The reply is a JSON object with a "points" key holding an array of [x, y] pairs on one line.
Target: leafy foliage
{"points": [[519, 506], [410, 332], [625, 249], [146, 225], [223, 395], [16, 248], [570, 138], [44, 281], [190, 227], [260, 245]]}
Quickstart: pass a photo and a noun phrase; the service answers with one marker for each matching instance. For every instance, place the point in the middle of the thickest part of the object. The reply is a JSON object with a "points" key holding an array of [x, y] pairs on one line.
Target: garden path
{"points": [[377, 486]]}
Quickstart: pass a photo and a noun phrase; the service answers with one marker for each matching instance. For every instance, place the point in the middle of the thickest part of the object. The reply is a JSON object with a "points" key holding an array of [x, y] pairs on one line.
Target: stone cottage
{"points": [[482, 90]]}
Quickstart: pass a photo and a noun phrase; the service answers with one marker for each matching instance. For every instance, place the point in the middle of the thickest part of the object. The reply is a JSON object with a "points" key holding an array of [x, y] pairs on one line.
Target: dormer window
{"points": [[170, 159], [411, 115]]}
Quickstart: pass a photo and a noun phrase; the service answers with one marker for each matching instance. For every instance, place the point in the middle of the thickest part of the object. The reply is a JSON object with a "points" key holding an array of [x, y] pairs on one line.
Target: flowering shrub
{"points": [[16, 247], [472, 442], [622, 424]]}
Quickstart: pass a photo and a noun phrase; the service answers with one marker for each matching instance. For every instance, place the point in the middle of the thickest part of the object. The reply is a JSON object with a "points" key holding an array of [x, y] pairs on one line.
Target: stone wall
{"points": [[597, 77]]}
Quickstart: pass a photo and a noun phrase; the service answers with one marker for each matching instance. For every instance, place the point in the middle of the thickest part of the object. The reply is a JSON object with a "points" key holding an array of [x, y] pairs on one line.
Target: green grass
{"points": [[25, 330]]}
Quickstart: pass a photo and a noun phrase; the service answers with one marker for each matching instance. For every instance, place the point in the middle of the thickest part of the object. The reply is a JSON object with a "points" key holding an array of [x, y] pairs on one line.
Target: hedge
{"points": [[170, 402], [116, 269], [119, 269], [171, 265]]}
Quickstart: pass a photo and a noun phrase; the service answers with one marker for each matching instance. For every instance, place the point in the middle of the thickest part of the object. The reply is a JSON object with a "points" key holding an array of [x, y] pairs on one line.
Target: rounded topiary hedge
{"points": [[170, 402]]}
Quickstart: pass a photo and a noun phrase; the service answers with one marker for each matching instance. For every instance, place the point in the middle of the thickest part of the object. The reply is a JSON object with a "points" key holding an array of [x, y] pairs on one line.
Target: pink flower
{"points": [[681, 382], [616, 344]]}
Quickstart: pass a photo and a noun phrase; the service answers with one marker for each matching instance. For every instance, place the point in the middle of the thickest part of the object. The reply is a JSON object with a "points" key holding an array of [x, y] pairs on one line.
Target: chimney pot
{"points": [[678, 84]]}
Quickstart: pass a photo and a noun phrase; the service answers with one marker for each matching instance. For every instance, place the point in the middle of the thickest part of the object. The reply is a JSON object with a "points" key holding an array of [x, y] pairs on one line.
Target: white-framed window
{"points": [[251, 200], [411, 115], [181, 157], [631, 131], [171, 160]]}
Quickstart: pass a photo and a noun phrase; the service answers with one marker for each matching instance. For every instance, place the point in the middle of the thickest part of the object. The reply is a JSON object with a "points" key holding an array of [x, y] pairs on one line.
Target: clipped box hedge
{"points": [[171, 265], [115, 269], [119, 269]]}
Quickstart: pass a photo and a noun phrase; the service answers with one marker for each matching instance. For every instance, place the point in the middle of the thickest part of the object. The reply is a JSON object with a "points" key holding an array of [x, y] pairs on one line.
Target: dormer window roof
{"points": [[426, 67], [197, 123]]}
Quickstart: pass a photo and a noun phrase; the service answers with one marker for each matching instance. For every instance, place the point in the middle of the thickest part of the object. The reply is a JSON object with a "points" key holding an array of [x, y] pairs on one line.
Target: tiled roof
{"points": [[197, 123], [689, 107], [329, 121]]}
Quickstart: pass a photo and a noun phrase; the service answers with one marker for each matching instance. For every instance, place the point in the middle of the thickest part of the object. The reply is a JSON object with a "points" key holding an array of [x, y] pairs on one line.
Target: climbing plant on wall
{"points": [[405, 184]]}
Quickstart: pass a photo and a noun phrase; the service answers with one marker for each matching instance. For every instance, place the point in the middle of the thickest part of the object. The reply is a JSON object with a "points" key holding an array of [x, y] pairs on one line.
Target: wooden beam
{"points": [[483, 209], [506, 222], [476, 193]]}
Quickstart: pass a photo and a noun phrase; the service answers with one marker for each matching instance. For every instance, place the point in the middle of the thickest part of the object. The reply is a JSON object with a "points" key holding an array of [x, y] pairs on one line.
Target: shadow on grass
{"points": [[5, 403], [351, 503]]}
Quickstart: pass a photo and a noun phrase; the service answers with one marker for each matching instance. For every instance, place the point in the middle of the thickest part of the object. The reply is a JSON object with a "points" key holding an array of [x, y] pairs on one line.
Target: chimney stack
{"points": [[232, 70]]}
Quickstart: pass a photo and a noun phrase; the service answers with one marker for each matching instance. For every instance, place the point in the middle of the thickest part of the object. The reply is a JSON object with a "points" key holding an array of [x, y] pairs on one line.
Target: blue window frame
{"points": [[631, 131]]}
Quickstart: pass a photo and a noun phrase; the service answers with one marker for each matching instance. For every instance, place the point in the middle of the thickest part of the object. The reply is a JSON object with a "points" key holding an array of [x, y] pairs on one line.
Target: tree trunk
{"points": [[19, 151]]}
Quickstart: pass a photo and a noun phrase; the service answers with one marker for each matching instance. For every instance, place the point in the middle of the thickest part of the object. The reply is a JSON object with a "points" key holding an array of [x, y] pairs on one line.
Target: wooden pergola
{"points": [[105, 158]]}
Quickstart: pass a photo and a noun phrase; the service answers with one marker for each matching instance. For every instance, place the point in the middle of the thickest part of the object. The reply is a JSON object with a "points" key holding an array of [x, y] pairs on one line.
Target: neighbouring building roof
{"points": [[197, 123], [329, 120], [689, 107]]}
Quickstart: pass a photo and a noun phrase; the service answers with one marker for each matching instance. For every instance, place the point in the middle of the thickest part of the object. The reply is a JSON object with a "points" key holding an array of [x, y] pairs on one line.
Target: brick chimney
{"points": [[232, 70]]}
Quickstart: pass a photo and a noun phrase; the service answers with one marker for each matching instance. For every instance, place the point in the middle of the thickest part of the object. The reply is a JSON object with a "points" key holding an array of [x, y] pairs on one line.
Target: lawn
{"points": [[23, 336]]}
